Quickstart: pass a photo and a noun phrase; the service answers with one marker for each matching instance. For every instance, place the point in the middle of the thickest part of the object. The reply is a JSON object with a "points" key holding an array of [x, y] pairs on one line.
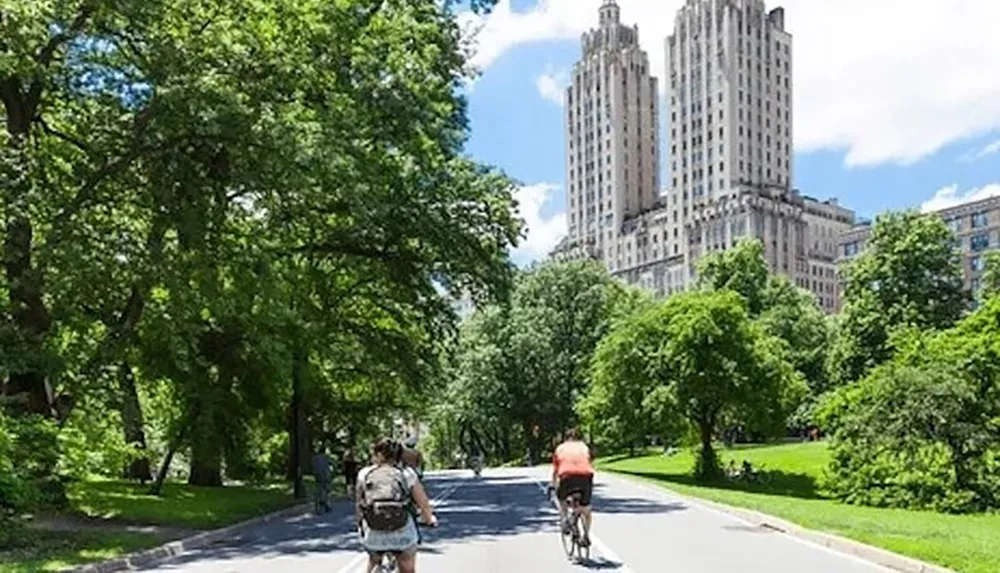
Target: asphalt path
{"points": [[503, 522]]}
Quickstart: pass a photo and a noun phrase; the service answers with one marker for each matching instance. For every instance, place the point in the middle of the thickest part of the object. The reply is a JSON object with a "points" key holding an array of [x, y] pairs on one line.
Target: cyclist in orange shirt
{"points": [[573, 472]]}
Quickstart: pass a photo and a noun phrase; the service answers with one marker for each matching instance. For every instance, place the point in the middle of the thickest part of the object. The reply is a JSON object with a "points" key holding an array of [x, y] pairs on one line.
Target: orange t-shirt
{"points": [[573, 459]]}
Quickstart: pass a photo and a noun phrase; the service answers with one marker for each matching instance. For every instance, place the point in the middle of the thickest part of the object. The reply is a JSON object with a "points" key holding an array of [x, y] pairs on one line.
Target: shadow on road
{"points": [[472, 510], [599, 563]]}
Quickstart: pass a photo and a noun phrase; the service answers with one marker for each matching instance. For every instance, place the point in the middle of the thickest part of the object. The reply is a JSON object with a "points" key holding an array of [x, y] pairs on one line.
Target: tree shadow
{"points": [[479, 510], [781, 483]]}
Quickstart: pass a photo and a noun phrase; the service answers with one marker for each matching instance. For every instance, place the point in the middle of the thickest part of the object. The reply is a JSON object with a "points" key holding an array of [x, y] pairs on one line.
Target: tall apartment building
{"points": [[612, 129], [977, 230], [729, 89], [729, 95]]}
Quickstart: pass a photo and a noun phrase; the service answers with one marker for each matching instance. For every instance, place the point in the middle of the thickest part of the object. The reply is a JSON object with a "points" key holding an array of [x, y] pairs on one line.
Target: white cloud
{"points": [[950, 196], [543, 232], [886, 80], [552, 85], [986, 150]]}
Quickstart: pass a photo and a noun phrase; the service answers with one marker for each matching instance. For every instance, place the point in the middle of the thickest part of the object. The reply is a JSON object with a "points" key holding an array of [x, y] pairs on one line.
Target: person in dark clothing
{"points": [[350, 470], [323, 472]]}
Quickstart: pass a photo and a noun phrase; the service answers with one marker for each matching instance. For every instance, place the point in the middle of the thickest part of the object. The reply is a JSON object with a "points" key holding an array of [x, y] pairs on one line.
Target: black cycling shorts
{"points": [[584, 485]]}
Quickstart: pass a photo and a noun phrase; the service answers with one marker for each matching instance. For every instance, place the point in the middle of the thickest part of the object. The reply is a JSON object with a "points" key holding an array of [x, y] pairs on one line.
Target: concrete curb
{"points": [[839, 544], [132, 561], [876, 555]]}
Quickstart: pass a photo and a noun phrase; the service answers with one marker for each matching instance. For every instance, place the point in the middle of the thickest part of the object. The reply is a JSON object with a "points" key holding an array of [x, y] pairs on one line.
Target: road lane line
{"points": [[595, 541], [669, 494], [355, 564]]}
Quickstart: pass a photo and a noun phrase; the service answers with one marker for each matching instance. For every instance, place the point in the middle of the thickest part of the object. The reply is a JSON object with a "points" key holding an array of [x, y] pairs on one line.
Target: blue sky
{"points": [[885, 121]]}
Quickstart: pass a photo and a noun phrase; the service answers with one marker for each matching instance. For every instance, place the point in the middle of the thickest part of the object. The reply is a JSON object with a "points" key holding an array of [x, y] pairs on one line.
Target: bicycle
{"points": [[573, 539], [387, 563]]}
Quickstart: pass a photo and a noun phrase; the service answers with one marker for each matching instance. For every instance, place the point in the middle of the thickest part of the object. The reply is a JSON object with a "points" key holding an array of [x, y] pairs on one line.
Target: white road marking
{"points": [[595, 541], [667, 494], [356, 564]]}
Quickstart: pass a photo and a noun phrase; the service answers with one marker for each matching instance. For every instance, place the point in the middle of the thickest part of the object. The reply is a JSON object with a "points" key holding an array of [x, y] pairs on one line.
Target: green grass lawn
{"points": [[108, 504], [180, 505], [62, 550], [966, 543]]}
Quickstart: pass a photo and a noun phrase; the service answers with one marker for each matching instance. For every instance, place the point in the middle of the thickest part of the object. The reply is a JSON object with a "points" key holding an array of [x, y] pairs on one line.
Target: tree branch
{"points": [[63, 136], [48, 52]]}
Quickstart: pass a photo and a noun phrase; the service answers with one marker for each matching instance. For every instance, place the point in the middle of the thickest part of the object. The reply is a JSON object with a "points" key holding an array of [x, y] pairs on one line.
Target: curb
{"points": [[836, 543], [142, 558]]}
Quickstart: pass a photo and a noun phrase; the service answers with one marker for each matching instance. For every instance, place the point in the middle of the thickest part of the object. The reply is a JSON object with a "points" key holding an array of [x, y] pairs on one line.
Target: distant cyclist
{"points": [[412, 457], [385, 491], [573, 472]]}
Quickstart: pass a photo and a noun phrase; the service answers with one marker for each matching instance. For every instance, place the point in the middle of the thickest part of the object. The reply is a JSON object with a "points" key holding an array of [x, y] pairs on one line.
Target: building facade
{"points": [[977, 230], [826, 222], [612, 146], [729, 152]]}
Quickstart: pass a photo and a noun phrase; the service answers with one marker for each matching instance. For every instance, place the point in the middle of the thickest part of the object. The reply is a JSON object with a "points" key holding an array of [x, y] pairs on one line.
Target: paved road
{"points": [[503, 523]]}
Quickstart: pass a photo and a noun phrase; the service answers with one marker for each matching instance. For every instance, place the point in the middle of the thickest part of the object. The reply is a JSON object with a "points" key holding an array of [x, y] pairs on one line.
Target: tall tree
{"points": [[702, 357], [908, 274]]}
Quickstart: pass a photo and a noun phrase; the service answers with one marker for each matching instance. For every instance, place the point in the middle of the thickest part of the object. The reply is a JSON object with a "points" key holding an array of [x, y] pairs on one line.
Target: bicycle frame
{"points": [[573, 545]]}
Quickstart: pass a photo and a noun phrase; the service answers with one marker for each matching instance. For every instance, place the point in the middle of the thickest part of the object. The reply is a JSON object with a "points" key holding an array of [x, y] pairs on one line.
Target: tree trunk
{"points": [[31, 318], [176, 443], [161, 475], [132, 423], [297, 422], [206, 449], [708, 464], [206, 459]]}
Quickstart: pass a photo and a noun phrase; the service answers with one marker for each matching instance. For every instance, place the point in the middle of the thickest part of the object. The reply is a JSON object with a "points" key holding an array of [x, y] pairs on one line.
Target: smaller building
{"points": [[826, 221], [977, 230]]}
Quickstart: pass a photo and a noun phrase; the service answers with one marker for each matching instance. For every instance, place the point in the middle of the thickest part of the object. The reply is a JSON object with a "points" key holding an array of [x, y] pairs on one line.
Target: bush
{"points": [[915, 437], [29, 453]]}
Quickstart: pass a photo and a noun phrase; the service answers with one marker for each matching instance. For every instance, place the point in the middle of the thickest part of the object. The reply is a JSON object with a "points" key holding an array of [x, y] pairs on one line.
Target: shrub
{"points": [[915, 437]]}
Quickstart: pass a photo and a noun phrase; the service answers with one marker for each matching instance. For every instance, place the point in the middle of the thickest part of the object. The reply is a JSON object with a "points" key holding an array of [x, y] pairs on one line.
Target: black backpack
{"points": [[385, 498]]}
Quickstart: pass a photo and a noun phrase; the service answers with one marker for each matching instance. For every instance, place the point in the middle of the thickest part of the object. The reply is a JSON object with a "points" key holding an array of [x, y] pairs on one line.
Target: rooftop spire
{"points": [[610, 13]]}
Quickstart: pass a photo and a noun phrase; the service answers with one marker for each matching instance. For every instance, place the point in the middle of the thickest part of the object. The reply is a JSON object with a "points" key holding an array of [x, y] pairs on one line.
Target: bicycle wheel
{"points": [[568, 540], [579, 533]]}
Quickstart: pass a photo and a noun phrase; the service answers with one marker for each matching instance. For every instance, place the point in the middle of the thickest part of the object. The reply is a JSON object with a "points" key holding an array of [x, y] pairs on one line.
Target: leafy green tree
{"points": [[991, 274], [793, 315], [921, 430], [161, 157], [517, 371], [741, 269], [781, 308], [701, 354], [909, 274]]}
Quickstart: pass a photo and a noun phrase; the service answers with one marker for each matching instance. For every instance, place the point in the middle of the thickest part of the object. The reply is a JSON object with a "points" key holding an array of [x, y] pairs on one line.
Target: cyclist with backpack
{"points": [[385, 492]]}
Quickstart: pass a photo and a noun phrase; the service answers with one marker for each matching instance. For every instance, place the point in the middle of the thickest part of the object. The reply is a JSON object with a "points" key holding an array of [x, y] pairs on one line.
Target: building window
{"points": [[979, 220], [977, 263], [851, 249], [979, 242]]}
